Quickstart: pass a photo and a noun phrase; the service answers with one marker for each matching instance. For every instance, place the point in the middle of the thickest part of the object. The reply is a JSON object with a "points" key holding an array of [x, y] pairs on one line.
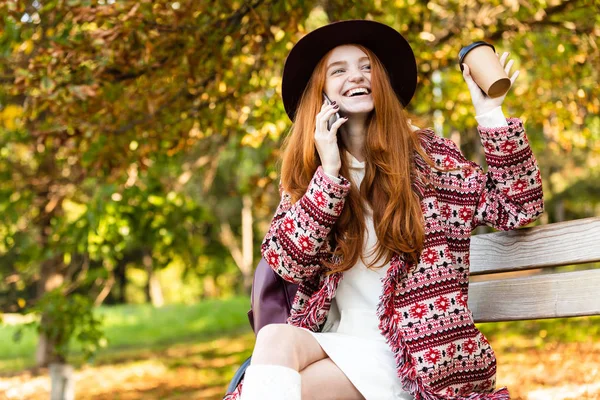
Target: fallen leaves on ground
{"points": [[558, 371]]}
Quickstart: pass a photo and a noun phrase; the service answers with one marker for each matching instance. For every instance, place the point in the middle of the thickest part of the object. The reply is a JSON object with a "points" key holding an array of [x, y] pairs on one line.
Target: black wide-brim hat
{"points": [[389, 46]]}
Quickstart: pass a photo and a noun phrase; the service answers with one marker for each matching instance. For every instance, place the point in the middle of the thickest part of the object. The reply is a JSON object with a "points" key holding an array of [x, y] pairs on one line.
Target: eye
{"points": [[336, 71], [367, 67]]}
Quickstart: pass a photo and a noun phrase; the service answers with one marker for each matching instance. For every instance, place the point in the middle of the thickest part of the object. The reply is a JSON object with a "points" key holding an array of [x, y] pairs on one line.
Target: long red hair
{"points": [[387, 186]]}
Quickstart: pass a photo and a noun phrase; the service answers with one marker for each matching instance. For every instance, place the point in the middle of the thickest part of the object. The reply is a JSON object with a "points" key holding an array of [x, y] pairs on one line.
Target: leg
{"points": [[286, 345], [280, 352], [325, 374]]}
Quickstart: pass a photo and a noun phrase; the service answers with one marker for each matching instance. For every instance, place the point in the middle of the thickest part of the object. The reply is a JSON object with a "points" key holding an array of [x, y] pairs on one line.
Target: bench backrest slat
{"points": [[563, 243], [545, 294], [567, 294]]}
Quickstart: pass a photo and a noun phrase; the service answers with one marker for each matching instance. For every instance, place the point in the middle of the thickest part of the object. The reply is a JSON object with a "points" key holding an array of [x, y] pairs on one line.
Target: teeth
{"points": [[357, 90]]}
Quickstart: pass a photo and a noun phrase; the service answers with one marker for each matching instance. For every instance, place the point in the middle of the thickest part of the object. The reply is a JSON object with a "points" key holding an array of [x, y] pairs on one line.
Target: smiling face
{"points": [[348, 80]]}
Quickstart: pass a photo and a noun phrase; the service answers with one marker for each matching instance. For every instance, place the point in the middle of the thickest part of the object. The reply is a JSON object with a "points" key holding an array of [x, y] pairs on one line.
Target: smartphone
{"points": [[335, 116]]}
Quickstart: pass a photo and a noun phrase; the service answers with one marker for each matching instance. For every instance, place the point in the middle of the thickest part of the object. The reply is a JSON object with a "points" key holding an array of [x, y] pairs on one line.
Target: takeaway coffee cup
{"points": [[485, 68]]}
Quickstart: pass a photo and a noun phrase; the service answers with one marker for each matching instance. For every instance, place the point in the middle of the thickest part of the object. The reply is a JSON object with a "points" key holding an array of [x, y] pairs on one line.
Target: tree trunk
{"points": [[62, 382], [108, 285], [120, 272], [247, 243], [51, 277], [154, 293], [121, 282], [243, 257]]}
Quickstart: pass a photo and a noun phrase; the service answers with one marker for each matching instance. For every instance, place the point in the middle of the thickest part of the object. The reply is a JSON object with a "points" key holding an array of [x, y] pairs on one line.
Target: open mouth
{"points": [[356, 92]]}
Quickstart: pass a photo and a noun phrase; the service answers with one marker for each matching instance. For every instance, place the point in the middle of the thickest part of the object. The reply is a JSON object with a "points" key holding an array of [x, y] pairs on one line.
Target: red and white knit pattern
{"points": [[423, 310]]}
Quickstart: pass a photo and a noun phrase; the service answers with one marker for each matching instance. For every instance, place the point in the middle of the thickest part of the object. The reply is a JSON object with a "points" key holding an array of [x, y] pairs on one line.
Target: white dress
{"points": [[351, 336]]}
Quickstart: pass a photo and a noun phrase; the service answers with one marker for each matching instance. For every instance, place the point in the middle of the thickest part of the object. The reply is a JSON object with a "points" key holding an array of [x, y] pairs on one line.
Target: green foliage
{"points": [[137, 327], [68, 319]]}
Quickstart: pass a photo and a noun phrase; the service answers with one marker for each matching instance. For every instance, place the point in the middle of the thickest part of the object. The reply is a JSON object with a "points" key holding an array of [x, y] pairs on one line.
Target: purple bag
{"points": [[271, 298], [271, 302]]}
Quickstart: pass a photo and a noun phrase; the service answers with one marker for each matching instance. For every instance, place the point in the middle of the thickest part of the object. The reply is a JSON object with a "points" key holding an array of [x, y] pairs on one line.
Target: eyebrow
{"points": [[344, 62]]}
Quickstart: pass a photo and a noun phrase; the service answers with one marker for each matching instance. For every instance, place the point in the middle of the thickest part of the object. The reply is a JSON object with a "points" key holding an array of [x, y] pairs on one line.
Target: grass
{"points": [[192, 351], [538, 333], [137, 328]]}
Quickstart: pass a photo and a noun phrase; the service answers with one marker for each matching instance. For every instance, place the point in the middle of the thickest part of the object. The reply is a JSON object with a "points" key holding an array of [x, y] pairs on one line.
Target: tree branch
{"points": [[548, 12]]}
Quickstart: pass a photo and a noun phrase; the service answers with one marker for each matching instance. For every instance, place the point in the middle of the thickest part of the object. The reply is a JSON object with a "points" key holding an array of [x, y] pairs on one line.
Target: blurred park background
{"points": [[138, 174]]}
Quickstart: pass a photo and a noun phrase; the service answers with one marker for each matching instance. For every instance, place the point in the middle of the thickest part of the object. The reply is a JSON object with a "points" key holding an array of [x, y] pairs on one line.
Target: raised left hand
{"points": [[481, 101]]}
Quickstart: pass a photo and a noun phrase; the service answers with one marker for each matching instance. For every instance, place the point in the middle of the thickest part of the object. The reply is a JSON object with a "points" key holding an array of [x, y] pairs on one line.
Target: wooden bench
{"points": [[502, 297], [541, 294]]}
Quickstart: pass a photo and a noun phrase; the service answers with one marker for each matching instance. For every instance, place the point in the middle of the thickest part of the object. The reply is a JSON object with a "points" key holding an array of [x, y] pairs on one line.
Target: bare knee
{"points": [[275, 345], [286, 345], [274, 335]]}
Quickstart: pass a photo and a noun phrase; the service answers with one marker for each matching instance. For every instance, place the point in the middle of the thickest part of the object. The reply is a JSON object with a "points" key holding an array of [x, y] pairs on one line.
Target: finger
{"points": [[324, 116], [324, 111], [337, 124], [503, 58], [329, 112], [324, 106], [466, 70], [467, 75], [321, 123], [331, 115], [514, 77], [508, 67]]}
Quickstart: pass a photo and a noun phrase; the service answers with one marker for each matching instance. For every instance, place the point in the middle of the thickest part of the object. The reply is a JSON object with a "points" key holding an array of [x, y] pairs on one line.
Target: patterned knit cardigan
{"points": [[423, 312]]}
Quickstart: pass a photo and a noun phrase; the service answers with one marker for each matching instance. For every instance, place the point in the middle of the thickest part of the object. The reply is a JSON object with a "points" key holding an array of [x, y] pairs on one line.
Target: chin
{"points": [[358, 111], [358, 107]]}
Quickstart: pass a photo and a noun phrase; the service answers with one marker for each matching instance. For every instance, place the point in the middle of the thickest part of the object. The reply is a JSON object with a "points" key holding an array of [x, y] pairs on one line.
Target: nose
{"points": [[356, 75]]}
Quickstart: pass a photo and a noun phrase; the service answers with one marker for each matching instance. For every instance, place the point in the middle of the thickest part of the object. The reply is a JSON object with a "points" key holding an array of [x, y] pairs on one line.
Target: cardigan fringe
{"points": [[414, 312], [320, 302]]}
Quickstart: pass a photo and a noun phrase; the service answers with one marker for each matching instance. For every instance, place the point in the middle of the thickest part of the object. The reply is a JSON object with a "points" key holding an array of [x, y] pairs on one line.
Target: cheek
{"points": [[333, 88]]}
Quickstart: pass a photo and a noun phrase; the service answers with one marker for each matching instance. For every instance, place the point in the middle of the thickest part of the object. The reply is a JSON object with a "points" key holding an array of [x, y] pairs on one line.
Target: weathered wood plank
{"points": [[563, 243], [566, 294]]}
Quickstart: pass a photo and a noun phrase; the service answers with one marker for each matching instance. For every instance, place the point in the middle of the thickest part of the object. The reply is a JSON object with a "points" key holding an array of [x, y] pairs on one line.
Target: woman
{"points": [[374, 225]]}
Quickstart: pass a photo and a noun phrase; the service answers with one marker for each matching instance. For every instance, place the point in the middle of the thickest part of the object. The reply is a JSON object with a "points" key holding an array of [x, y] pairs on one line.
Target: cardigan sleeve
{"points": [[511, 190], [292, 246], [508, 196]]}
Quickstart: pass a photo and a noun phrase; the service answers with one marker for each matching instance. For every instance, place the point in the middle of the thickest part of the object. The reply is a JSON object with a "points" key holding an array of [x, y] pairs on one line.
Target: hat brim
{"points": [[389, 46]]}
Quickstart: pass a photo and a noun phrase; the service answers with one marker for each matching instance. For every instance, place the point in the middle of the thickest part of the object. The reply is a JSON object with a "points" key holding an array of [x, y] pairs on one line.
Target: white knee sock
{"points": [[271, 382]]}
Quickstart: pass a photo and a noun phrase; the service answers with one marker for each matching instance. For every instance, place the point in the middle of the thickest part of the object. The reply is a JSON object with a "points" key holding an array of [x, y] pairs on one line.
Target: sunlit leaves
{"points": [[119, 120]]}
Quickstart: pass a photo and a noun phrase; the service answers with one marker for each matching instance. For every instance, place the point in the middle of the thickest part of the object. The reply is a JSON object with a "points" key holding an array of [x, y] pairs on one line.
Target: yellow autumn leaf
{"points": [[10, 116], [26, 47]]}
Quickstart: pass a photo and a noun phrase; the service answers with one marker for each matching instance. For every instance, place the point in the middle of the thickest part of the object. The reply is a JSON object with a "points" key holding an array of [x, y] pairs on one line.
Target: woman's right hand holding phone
{"points": [[326, 139]]}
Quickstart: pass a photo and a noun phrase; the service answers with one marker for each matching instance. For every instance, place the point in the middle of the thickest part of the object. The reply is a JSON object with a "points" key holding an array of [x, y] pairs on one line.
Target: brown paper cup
{"points": [[485, 69]]}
